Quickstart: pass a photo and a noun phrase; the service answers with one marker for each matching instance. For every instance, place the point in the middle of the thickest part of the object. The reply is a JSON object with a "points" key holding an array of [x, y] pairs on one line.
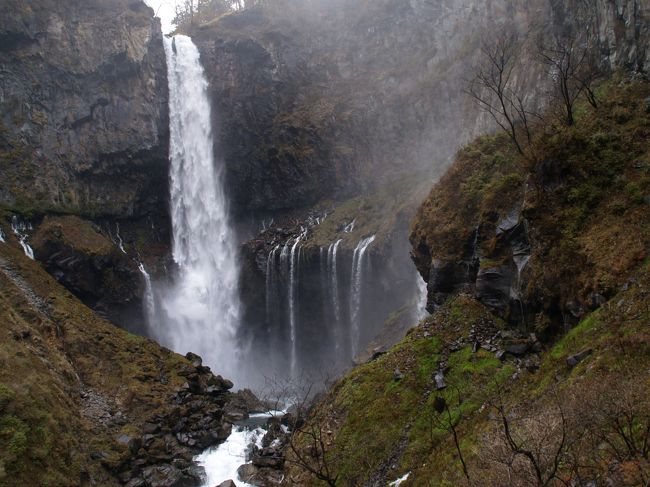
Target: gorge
{"points": [[324, 242]]}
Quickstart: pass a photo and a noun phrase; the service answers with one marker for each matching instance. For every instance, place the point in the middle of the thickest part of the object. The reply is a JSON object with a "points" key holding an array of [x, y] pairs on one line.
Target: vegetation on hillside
{"points": [[567, 412]]}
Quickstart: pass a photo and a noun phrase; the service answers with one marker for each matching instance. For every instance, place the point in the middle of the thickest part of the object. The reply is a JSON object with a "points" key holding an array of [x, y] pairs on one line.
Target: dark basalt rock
{"points": [[87, 263], [90, 136]]}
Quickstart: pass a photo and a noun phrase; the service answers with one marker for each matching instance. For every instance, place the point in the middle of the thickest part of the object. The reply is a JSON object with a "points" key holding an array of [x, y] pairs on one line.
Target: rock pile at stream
{"points": [[161, 453]]}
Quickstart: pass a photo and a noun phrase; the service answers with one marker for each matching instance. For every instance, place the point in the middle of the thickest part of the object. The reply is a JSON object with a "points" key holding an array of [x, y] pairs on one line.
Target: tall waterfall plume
{"points": [[199, 311]]}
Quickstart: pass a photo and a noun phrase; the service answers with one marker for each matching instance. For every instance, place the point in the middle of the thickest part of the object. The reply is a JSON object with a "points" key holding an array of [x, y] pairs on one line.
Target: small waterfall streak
{"points": [[148, 301], [356, 291], [293, 311], [334, 296], [20, 230], [120, 243], [421, 307], [2, 236], [334, 281], [270, 284]]}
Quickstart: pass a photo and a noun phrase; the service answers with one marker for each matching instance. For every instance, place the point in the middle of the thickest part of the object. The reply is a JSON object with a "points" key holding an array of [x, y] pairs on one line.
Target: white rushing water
{"points": [[334, 293], [199, 312], [20, 229], [422, 295], [2, 236], [293, 287], [356, 291], [148, 298], [221, 463]]}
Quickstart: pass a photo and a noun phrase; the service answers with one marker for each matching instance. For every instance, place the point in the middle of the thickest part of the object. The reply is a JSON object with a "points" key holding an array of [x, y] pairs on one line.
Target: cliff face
{"points": [[84, 108], [329, 99], [537, 239], [84, 130]]}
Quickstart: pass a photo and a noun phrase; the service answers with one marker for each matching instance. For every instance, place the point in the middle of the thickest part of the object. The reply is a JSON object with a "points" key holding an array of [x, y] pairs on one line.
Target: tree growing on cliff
{"points": [[494, 91], [572, 67]]}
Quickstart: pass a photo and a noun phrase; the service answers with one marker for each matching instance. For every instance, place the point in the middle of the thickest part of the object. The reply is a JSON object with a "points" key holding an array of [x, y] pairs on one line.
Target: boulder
{"points": [[574, 360]]}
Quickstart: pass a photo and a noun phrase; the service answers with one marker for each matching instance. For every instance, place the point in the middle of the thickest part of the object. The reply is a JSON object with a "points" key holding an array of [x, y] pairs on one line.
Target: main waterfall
{"points": [[199, 312]]}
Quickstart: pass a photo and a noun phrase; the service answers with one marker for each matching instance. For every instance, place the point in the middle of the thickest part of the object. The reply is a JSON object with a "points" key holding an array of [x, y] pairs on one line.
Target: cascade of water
{"points": [[334, 294], [293, 284], [422, 297], [20, 230], [200, 312], [355, 291], [2, 235], [271, 286], [120, 243], [148, 301]]}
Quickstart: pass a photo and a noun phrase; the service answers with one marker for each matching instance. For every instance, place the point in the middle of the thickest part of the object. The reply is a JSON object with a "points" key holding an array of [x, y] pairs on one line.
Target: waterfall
{"points": [[332, 271], [355, 291], [422, 296], [199, 312], [20, 230], [2, 235], [120, 243], [293, 284], [271, 285], [148, 298]]}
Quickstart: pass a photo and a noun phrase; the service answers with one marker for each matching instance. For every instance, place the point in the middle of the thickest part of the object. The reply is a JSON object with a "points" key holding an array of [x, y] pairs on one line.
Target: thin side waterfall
{"points": [[2, 236], [148, 298], [334, 293], [421, 297], [356, 291], [271, 285], [20, 229], [199, 312], [293, 285]]}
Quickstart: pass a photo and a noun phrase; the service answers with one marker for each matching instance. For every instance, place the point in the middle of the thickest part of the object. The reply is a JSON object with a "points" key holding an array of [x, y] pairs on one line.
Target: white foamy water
{"points": [[199, 312], [221, 463], [20, 230], [356, 291]]}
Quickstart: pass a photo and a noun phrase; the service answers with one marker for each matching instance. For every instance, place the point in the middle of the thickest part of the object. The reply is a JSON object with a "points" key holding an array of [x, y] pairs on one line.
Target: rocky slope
{"points": [[85, 403], [84, 131], [463, 398]]}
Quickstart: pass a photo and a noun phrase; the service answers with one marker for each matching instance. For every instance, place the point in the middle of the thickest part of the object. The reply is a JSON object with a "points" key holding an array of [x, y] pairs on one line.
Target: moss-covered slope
{"points": [[85, 403], [557, 396]]}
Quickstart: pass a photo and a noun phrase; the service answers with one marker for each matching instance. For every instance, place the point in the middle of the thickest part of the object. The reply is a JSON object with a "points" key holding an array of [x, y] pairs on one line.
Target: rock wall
{"points": [[83, 97], [325, 99]]}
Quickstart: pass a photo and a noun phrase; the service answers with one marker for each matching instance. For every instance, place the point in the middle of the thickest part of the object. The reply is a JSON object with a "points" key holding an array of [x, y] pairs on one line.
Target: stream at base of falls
{"points": [[221, 462]]}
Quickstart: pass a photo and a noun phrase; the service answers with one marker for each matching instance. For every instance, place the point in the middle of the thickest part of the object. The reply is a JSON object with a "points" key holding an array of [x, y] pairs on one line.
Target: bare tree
{"points": [[308, 440], [492, 88], [569, 66], [441, 406]]}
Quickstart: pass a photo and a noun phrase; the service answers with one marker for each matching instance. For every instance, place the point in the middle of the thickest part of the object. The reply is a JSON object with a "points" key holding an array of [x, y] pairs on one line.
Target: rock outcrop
{"points": [[83, 402], [84, 108], [325, 100]]}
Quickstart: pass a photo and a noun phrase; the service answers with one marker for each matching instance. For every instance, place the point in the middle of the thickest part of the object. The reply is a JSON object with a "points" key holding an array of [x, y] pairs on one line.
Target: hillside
{"points": [[548, 396], [83, 402]]}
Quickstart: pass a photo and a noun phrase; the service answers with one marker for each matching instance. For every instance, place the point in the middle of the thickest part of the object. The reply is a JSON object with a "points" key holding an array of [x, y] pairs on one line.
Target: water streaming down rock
{"points": [[333, 278], [271, 285], [20, 229], [356, 288], [199, 311], [2, 236], [148, 299], [294, 275]]}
